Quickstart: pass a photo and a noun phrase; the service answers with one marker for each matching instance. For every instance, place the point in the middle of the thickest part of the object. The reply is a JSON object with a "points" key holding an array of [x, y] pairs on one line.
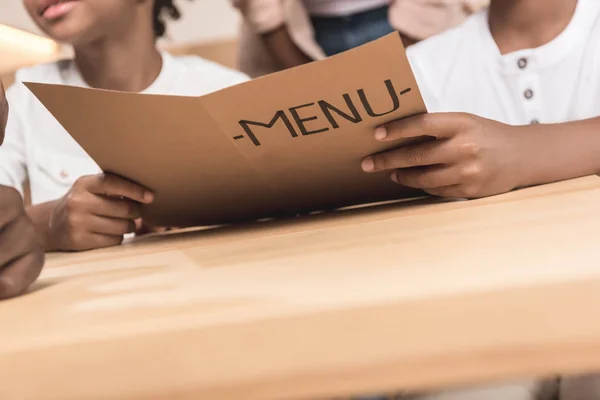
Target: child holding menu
{"points": [[514, 101], [520, 88], [75, 206]]}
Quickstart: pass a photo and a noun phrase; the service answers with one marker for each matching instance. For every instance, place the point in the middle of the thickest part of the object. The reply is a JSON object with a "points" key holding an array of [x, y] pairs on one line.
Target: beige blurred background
{"points": [[208, 29]]}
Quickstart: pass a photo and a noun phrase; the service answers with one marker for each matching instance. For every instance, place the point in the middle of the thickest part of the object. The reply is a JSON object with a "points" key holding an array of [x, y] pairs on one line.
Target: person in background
{"points": [[76, 206], [280, 34], [21, 254]]}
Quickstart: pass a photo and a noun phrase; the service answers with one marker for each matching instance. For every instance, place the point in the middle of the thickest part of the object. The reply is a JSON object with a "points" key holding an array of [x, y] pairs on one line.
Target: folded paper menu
{"points": [[288, 143]]}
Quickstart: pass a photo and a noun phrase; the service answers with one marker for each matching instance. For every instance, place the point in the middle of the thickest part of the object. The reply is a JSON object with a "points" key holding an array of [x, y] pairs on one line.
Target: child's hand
{"points": [[468, 156], [21, 254], [97, 212]]}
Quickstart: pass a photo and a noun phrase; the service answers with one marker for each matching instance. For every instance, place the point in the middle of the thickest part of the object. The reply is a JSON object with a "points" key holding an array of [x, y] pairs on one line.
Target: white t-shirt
{"points": [[39, 149], [340, 8], [462, 70]]}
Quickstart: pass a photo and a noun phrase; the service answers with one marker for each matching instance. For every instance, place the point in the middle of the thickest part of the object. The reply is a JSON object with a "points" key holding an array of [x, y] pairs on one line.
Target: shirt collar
{"points": [[72, 76], [542, 56]]}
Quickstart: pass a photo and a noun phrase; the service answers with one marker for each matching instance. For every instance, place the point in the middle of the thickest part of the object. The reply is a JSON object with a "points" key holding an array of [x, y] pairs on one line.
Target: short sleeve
{"points": [[430, 96]]}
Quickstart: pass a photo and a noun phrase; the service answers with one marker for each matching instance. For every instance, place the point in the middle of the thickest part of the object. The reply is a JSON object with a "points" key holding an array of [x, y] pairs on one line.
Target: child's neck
{"points": [[527, 24], [128, 63]]}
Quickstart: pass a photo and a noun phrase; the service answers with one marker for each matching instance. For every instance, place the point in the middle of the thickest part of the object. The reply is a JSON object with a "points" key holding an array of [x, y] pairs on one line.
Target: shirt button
{"points": [[522, 63], [535, 121], [528, 94], [64, 174]]}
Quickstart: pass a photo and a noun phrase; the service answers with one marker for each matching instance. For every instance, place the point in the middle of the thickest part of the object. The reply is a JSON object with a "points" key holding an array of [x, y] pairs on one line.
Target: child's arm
{"points": [[471, 157], [21, 256], [282, 48], [267, 19], [95, 213]]}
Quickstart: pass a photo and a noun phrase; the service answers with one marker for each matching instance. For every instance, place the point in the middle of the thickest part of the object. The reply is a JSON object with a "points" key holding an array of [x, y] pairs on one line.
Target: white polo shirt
{"points": [[39, 149], [462, 70]]}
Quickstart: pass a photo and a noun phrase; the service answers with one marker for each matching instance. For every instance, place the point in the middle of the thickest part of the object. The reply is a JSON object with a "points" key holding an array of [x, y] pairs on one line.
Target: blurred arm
{"points": [[267, 19]]}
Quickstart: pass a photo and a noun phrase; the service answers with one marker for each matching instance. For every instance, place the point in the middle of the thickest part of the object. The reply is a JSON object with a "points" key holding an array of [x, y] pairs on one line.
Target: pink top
{"points": [[338, 8], [418, 19]]}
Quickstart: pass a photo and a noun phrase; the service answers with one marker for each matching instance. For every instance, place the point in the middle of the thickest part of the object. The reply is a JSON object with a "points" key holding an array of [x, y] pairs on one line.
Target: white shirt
{"points": [[340, 8], [462, 70], [39, 149]]}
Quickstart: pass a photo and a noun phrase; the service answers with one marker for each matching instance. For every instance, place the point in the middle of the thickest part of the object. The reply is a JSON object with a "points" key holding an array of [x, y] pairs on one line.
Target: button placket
{"points": [[530, 97]]}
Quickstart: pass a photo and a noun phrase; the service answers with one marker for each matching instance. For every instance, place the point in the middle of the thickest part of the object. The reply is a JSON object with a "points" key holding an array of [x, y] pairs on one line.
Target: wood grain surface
{"points": [[416, 295]]}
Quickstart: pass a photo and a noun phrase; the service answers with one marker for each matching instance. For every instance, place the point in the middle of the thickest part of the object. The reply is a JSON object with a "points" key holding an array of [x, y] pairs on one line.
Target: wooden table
{"points": [[398, 296]]}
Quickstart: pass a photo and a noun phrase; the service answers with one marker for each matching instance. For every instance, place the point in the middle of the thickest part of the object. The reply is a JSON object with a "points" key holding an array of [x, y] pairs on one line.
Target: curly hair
{"points": [[160, 7]]}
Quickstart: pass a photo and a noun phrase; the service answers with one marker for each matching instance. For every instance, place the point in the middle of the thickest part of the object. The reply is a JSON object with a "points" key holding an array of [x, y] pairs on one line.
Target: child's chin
{"points": [[69, 39], [67, 32]]}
